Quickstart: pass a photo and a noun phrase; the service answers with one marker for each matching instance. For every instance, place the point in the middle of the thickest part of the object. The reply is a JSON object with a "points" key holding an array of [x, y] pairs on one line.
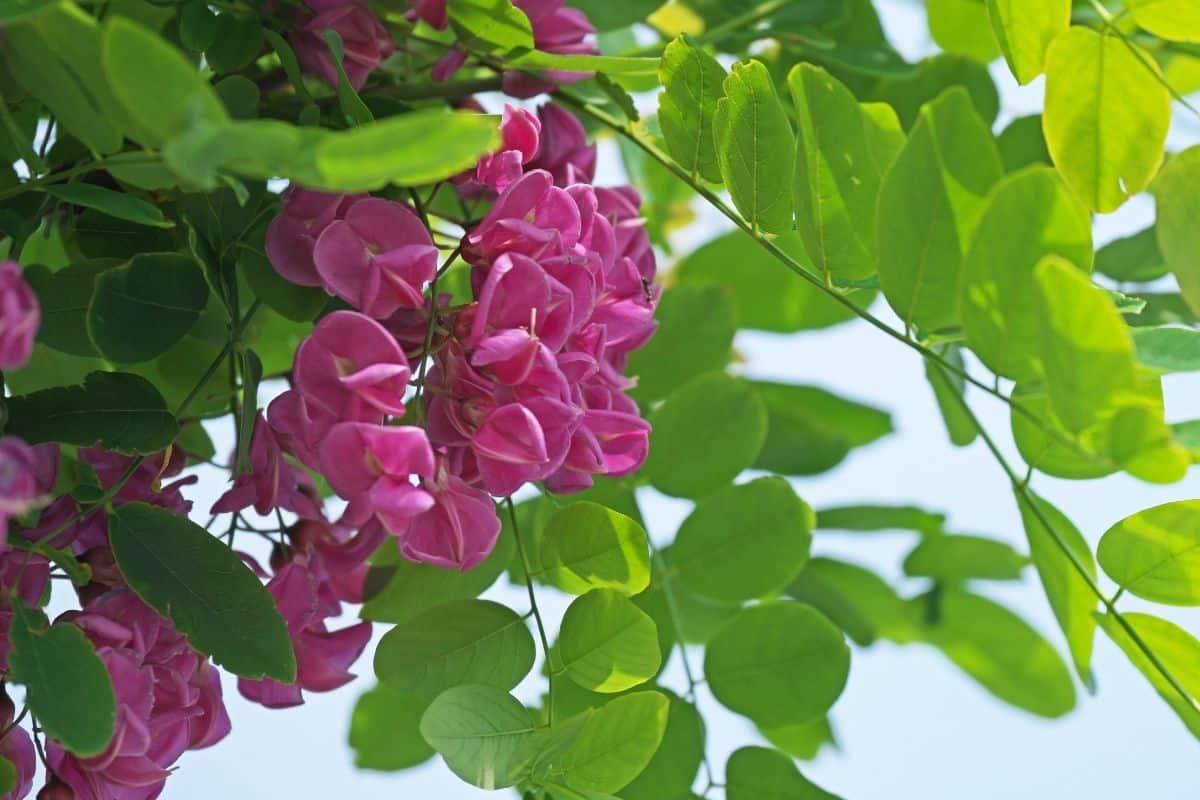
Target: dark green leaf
{"points": [[238, 42], [385, 731], [204, 589], [607, 16], [252, 373], [64, 296], [908, 91], [757, 773], [804, 741], [114, 204], [1023, 145], [880, 518]]}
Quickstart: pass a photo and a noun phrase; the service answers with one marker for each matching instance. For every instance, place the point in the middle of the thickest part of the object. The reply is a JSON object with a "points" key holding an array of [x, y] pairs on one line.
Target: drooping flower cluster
{"points": [[365, 42]]}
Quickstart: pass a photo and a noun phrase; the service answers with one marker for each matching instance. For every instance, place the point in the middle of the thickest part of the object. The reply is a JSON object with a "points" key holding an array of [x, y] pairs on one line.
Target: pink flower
{"points": [[299, 425], [460, 529], [17, 748], [352, 368], [519, 133], [323, 657], [564, 151], [146, 485], [371, 465], [532, 217], [431, 11], [365, 41], [18, 481], [27, 577], [378, 258], [518, 293], [271, 483], [293, 234], [20, 317], [620, 206]]}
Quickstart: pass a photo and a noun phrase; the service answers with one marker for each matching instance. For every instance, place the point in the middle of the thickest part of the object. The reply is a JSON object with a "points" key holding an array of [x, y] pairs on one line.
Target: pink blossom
{"points": [[299, 425], [519, 293], [146, 484], [532, 217], [292, 235], [365, 41], [352, 368], [339, 554], [378, 258], [20, 316], [17, 748], [371, 467], [459, 531], [519, 133], [18, 481], [271, 482], [323, 657], [564, 151], [431, 11], [26, 577]]}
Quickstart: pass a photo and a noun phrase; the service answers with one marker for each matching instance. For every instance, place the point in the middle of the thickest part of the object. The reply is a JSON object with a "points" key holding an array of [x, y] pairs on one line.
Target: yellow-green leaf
{"points": [[1025, 29]]}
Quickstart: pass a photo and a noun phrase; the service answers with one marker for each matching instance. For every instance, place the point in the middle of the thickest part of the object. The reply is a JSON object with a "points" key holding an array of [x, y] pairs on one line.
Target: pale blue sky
{"points": [[910, 725]]}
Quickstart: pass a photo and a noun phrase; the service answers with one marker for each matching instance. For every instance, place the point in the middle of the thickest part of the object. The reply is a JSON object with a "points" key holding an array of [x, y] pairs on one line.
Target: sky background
{"points": [[909, 724]]}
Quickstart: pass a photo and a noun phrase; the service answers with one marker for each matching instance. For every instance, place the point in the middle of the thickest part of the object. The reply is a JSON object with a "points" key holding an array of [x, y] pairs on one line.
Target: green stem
{"points": [[537, 614]]}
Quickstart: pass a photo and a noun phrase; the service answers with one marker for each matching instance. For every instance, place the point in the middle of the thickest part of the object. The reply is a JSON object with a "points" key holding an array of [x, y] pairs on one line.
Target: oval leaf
{"points": [[385, 731], [693, 83], [588, 546], [607, 644], [476, 729], [1155, 554]]}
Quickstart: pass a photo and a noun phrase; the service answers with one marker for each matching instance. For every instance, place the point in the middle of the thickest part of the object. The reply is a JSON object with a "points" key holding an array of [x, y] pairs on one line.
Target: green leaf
{"points": [[694, 620], [948, 390], [614, 744], [66, 684], [608, 16], [1133, 259], [1029, 216], [1046, 445], [758, 773], [237, 44], [352, 105], [743, 542], [1071, 597], [804, 741], [1178, 236], [8, 775], [952, 558], [55, 56], [468, 641], [1022, 144], [139, 310], [755, 147], [64, 296], [843, 150], [929, 204], [101, 236], [493, 25], [204, 588], [766, 296], [860, 602], [569, 62], [115, 204], [252, 373], [1175, 648], [1155, 554], [1025, 29], [121, 411], [672, 770], [696, 325], [607, 644], [1086, 348], [16, 11], [1002, 652], [880, 518], [476, 729], [197, 25], [294, 302], [1168, 349], [385, 731], [1104, 157], [752, 664], [1173, 20], [961, 26], [734, 420], [49, 369], [143, 70], [910, 89], [810, 431], [693, 84], [588, 546]]}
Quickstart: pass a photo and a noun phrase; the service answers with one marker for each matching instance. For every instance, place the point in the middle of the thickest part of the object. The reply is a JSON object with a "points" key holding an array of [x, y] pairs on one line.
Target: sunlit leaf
{"points": [[1025, 29], [607, 644], [693, 83], [1155, 554], [588, 546]]}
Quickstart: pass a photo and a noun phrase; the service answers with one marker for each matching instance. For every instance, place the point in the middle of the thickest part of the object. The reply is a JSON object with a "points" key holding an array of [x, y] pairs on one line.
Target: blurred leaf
{"points": [[1104, 157], [385, 731], [880, 518], [1025, 29], [1045, 444], [948, 390], [860, 602], [756, 773], [1173, 20], [961, 26], [1155, 554], [607, 644], [696, 325], [752, 664], [1178, 235], [493, 25], [743, 542], [1168, 349], [588, 546], [197, 25], [1175, 648], [1135, 258], [607, 16], [237, 43], [952, 558], [908, 91], [693, 85], [755, 148], [1022, 144], [467, 641], [804, 741], [476, 729]]}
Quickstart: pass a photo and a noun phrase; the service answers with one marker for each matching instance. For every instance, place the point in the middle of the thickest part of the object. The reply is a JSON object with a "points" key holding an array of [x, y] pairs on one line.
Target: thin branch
{"points": [[537, 614]]}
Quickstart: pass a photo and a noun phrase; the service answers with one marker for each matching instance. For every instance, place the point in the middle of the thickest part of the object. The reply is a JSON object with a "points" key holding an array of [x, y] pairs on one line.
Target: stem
{"points": [[433, 320], [1022, 490], [537, 614], [65, 175]]}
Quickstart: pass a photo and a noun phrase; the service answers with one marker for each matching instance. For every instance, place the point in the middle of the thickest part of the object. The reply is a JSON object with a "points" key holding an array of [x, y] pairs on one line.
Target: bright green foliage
{"points": [[1135, 258], [1168, 349], [1155, 554], [953, 558], [1072, 599], [929, 204], [1174, 20], [124, 412], [385, 733], [607, 644], [205, 590], [734, 420], [588, 546], [469, 641], [695, 335], [492, 25], [1002, 652], [843, 149], [960, 26], [1178, 237], [1049, 447], [1025, 29], [476, 729], [693, 83], [757, 772], [66, 684], [752, 664], [810, 431], [1029, 216], [743, 542], [860, 602], [949, 389], [880, 518], [910, 89], [673, 768], [139, 310], [1178, 652], [754, 148], [1104, 160], [804, 741]]}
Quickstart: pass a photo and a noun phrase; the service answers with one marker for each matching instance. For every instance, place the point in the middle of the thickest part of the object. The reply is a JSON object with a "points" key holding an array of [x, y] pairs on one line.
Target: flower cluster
{"points": [[365, 42]]}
